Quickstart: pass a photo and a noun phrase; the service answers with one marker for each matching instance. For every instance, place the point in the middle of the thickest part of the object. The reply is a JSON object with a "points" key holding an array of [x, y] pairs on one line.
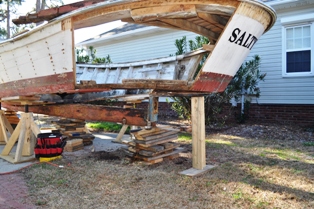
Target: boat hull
{"points": [[42, 61]]}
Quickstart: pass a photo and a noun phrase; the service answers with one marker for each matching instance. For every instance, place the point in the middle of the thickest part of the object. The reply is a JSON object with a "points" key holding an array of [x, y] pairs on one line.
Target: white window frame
{"points": [[295, 21]]}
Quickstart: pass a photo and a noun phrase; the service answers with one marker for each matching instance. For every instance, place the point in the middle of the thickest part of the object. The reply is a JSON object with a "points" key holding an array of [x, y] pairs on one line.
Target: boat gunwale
{"points": [[196, 52], [99, 5], [270, 10]]}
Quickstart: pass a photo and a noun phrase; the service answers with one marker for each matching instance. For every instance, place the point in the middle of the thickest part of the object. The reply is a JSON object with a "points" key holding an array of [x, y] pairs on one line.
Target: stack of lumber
{"points": [[12, 117], [152, 146], [74, 145], [75, 129]]}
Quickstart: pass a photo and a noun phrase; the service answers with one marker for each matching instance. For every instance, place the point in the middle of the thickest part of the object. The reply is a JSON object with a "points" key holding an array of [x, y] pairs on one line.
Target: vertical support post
{"points": [[26, 108], [153, 109], [198, 133], [28, 147]]}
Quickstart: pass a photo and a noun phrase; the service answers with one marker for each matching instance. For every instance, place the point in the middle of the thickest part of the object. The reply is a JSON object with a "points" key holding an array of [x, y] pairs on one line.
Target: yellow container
{"points": [[48, 159]]}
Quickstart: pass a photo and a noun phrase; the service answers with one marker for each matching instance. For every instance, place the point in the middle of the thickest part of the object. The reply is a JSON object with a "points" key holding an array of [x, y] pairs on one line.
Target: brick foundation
{"points": [[301, 115], [289, 114]]}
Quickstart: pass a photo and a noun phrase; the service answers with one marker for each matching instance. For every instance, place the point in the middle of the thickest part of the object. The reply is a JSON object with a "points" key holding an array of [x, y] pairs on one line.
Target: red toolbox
{"points": [[49, 145]]}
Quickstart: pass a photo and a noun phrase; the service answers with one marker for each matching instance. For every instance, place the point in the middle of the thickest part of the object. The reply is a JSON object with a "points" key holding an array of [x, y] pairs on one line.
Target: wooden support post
{"points": [[121, 133], [198, 133], [153, 109], [198, 139], [26, 142], [5, 128]]}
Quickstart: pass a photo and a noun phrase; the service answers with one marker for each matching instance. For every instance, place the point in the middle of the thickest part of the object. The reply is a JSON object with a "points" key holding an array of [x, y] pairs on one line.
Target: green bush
{"points": [[217, 105], [105, 126]]}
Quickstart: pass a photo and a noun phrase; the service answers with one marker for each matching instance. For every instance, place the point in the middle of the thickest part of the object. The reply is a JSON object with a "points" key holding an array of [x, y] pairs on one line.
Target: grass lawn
{"points": [[256, 167]]}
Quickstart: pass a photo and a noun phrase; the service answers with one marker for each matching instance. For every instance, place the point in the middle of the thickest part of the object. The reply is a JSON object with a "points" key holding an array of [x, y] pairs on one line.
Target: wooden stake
{"points": [[198, 133], [121, 133]]}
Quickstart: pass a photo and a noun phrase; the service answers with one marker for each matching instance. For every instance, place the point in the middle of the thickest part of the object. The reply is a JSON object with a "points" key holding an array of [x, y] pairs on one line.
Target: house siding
{"points": [[142, 47], [286, 100], [277, 89]]}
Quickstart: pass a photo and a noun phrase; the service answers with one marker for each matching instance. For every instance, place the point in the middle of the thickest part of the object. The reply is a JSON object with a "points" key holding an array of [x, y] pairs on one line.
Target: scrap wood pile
{"points": [[74, 145], [77, 135], [152, 146]]}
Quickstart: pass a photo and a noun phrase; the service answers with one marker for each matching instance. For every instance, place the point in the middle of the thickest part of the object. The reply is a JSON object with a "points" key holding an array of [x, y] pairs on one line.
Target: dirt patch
{"points": [[257, 166], [114, 155]]}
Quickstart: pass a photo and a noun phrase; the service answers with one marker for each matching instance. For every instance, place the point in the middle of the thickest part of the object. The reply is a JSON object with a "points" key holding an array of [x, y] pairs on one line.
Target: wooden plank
{"points": [[160, 156], [171, 11], [186, 25], [198, 133], [11, 142], [152, 162], [218, 9], [20, 144], [196, 172], [35, 129], [155, 148], [159, 141], [148, 153], [11, 158], [20, 98], [89, 112], [3, 135], [170, 145], [121, 133], [208, 47], [28, 148], [218, 22], [7, 124], [3, 129], [139, 136], [160, 136]]}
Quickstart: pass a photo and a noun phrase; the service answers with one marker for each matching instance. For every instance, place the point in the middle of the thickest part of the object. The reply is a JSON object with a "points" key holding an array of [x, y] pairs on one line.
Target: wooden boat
{"points": [[42, 61]]}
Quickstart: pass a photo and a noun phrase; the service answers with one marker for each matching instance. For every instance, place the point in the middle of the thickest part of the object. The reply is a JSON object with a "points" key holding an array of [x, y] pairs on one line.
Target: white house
{"points": [[286, 52]]}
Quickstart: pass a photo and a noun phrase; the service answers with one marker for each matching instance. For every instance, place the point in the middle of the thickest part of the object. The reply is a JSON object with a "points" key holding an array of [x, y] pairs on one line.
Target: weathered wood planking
{"points": [[42, 60], [89, 112], [148, 153], [176, 151], [180, 67], [157, 141]]}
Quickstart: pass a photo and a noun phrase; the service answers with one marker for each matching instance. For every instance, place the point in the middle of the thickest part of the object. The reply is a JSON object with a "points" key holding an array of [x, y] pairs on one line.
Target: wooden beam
{"points": [[186, 25], [208, 47], [198, 133], [171, 11], [213, 19], [20, 144], [152, 23], [225, 10], [174, 85], [89, 113], [121, 133]]}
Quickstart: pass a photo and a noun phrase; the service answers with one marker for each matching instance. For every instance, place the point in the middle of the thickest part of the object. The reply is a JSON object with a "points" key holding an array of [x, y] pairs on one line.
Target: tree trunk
{"points": [[8, 20], [43, 4], [40, 5]]}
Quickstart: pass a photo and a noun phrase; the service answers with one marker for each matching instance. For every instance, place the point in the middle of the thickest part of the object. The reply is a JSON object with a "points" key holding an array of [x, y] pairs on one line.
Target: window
{"points": [[298, 45], [298, 51]]}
